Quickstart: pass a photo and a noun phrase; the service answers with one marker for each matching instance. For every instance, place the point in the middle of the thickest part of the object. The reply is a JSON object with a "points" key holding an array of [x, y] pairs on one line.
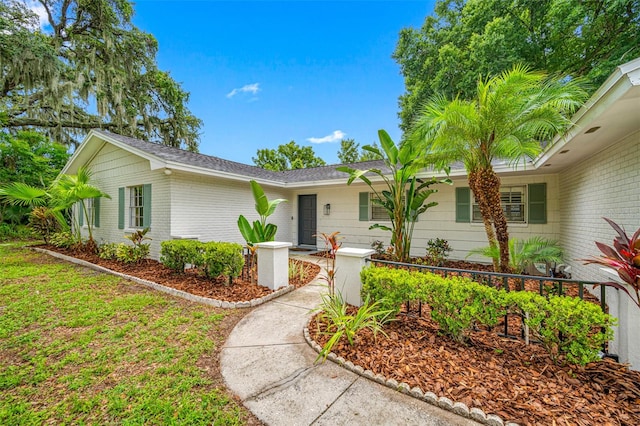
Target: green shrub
{"points": [[437, 251], [220, 258], [15, 232], [131, 254], [564, 325], [211, 258], [44, 222], [176, 254], [458, 304], [62, 239], [108, 251], [392, 287]]}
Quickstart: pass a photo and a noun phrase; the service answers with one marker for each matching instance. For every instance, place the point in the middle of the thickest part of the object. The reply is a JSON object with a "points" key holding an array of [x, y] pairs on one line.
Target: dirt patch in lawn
{"points": [[191, 281]]}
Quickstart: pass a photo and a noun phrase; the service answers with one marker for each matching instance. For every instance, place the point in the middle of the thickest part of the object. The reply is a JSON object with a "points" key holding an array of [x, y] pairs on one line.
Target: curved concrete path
{"points": [[269, 365]]}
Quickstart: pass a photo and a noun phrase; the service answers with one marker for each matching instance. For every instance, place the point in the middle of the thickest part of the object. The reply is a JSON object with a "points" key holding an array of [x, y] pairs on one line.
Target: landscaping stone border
{"points": [[172, 291], [443, 402]]}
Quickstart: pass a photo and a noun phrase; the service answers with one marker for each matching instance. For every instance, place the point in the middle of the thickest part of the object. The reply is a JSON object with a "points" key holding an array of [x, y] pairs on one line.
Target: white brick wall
{"points": [[437, 222], [209, 207], [113, 168], [605, 185]]}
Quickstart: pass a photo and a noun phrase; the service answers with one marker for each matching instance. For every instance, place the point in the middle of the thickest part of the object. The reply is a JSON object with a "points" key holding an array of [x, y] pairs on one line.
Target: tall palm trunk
{"points": [[491, 186], [477, 184]]}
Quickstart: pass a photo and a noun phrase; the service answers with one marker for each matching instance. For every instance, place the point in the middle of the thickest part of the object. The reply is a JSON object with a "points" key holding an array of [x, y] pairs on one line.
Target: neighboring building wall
{"points": [[436, 222], [114, 168], [209, 207], [605, 185]]}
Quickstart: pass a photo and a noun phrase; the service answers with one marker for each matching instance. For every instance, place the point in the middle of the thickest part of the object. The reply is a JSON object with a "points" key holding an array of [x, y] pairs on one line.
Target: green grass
{"points": [[79, 347]]}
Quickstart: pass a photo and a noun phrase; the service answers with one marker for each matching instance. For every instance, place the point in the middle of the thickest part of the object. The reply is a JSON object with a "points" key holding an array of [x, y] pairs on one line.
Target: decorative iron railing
{"points": [[545, 286]]}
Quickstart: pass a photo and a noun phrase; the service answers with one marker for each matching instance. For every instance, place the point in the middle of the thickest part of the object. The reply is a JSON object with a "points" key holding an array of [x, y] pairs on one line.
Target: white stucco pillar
{"points": [[349, 263], [273, 264]]}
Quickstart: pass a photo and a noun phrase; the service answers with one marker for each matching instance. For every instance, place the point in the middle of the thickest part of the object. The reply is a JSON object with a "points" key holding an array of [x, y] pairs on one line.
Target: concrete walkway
{"points": [[269, 365]]}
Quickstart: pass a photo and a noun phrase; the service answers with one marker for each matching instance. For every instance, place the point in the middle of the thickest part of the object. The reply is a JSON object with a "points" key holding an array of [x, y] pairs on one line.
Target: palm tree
{"points": [[524, 254], [511, 114], [61, 195]]}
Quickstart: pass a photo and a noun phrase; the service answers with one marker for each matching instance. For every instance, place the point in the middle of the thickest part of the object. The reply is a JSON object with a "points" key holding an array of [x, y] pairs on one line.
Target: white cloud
{"points": [[247, 88], [39, 10], [336, 136]]}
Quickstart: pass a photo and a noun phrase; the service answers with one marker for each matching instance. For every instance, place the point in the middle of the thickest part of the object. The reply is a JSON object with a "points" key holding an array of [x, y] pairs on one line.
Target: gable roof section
{"points": [[162, 156]]}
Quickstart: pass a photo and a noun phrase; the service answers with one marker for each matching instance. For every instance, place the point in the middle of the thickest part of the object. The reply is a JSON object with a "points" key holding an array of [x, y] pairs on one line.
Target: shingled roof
{"points": [[176, 155]]}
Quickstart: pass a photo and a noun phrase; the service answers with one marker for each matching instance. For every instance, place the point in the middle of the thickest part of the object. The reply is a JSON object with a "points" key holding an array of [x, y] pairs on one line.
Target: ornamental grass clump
{"points": [[334, 312]]}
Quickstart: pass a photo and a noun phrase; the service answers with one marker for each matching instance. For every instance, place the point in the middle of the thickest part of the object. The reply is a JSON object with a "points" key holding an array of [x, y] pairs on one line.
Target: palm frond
{"points": [[21, 194]]}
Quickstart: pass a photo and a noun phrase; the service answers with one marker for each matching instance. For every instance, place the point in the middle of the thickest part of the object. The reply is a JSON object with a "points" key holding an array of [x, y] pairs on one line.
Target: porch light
{"points": [[327, 209], [168, 172]]}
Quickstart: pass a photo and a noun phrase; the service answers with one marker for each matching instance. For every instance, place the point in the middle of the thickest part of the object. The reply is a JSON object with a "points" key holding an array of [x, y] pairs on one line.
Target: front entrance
{"points": [[307, 220]]}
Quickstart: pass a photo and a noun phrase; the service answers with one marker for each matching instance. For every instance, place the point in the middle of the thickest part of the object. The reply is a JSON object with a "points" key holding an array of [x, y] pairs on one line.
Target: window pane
{"points": [[136, 218], [377, 212], [513, 204], [89, 205]]}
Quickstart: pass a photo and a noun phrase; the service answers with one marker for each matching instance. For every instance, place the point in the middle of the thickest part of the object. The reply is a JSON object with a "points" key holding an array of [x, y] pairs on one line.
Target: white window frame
{"points": [[136, 211]]}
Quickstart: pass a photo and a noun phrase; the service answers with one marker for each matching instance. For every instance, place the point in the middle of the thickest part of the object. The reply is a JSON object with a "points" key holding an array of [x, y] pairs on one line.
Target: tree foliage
{"points": [[464, 40], [89, 68], [287, 157], [31, 158], [506, 120], [28, 158], [350, 152]]}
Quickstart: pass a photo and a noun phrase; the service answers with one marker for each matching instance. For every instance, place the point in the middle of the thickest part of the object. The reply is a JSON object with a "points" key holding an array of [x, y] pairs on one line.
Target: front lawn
{"points": [[78, 346]]}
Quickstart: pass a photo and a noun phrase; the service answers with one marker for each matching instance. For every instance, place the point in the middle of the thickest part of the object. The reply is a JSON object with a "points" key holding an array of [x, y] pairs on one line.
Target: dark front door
{"points": [[307, 220]]}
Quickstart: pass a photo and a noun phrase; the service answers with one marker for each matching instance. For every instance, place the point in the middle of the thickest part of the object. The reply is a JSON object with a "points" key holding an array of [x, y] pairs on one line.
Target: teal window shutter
{"points": [[120, 208], [363, 206], [80, 214], [146, 205], [538, 203], [96, 212], [463, 204]]}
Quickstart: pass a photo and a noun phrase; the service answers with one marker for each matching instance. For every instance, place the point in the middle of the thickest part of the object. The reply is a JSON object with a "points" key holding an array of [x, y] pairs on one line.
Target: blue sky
{"points": [[264, 73]]}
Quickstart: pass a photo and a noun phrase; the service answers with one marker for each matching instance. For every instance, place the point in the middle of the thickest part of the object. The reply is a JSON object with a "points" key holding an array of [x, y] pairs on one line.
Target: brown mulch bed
{"points": [[190, 281], [502, 376]]}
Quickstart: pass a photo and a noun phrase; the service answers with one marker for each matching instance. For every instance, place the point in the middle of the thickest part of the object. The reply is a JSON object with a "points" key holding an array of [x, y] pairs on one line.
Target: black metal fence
{"points": [[545, 286]]}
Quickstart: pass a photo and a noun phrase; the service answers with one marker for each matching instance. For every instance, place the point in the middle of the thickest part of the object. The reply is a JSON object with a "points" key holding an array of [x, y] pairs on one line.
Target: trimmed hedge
{"points": [[211, 258], [176, 254], [564, 325]]}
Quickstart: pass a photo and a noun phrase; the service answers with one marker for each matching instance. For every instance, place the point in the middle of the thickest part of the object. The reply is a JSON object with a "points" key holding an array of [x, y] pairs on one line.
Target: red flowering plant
{"points": [[332, 244], [624, 258]]}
